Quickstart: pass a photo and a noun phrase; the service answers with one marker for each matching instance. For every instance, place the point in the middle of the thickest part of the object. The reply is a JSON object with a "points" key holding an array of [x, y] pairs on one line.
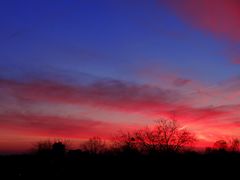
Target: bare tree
{"points": [[165, 136], [146, 140], [234, 145], [170, 137], [94, 145]]}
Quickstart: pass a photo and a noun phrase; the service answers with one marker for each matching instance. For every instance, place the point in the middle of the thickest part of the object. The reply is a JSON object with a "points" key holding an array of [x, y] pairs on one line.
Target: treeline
{"points": [[164, 150], [165, 137]]}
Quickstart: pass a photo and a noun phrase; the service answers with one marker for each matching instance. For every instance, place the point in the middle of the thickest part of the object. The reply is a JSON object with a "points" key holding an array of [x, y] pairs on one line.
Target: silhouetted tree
{"points": [[94, 145], [234, 145], [221, 145], [165, 136], [43, 148], [48, 148], [125, 142], [170, 137], [58, 149], [146, 140]]}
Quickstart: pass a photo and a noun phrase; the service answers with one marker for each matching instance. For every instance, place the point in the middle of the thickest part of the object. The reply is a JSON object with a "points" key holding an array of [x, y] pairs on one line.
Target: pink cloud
{"points": [[236, 60], [205, 118], [115, 95], [220, 17], [109, 94]]}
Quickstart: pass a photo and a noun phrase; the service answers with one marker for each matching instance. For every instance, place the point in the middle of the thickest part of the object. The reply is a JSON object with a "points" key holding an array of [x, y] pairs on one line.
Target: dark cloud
{"points": [[106, 93]]}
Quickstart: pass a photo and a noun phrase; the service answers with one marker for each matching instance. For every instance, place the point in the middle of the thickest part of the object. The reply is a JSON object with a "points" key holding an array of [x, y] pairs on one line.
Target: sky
{"points": [[74, 69]]}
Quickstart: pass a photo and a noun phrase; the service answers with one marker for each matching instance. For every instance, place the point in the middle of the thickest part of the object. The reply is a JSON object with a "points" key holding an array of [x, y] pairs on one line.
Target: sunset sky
{"points": [[73, 69]]}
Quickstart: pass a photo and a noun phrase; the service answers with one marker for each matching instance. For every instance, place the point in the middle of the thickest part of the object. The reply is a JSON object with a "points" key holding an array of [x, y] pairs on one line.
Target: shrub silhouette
{"points": [[161, 149], [48, 148], [233, 145], [125, 142], [221, 145], [43, 148], [58, 149], [94, 145]]}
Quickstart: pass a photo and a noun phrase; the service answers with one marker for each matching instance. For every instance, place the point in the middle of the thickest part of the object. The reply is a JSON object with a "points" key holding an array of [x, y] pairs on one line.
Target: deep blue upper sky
{"points": [[106, 38]]}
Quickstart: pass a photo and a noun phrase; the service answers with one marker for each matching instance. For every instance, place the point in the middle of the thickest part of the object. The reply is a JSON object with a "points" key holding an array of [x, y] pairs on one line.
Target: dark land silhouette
{"points": [[164, 151]]}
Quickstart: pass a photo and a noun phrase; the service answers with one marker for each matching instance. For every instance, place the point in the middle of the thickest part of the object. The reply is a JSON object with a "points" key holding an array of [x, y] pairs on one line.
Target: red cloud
{"points": [[220, 17], [114, 95], [152, 102], [54, 126]]}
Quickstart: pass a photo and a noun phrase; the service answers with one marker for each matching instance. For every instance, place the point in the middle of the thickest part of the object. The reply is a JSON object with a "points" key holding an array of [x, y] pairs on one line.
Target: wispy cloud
{"points": [[111, 95], [220, 18]]}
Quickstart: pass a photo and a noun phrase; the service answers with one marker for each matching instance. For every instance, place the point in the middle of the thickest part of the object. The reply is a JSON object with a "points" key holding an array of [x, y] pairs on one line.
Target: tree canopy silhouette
{"points": [[165, 136]]}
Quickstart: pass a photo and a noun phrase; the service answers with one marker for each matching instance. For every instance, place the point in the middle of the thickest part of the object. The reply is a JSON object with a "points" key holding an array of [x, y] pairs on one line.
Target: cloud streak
{"points": [[55, 126], [108, 93], [151, 102], [220, 17]]}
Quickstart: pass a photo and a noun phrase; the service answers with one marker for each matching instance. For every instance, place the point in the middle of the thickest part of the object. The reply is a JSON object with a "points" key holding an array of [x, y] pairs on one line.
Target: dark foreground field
{"points": [[84, 166]]}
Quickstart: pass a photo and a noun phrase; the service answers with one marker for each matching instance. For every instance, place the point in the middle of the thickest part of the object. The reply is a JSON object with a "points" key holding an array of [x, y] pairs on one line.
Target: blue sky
{"points": [[107, 38]]}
